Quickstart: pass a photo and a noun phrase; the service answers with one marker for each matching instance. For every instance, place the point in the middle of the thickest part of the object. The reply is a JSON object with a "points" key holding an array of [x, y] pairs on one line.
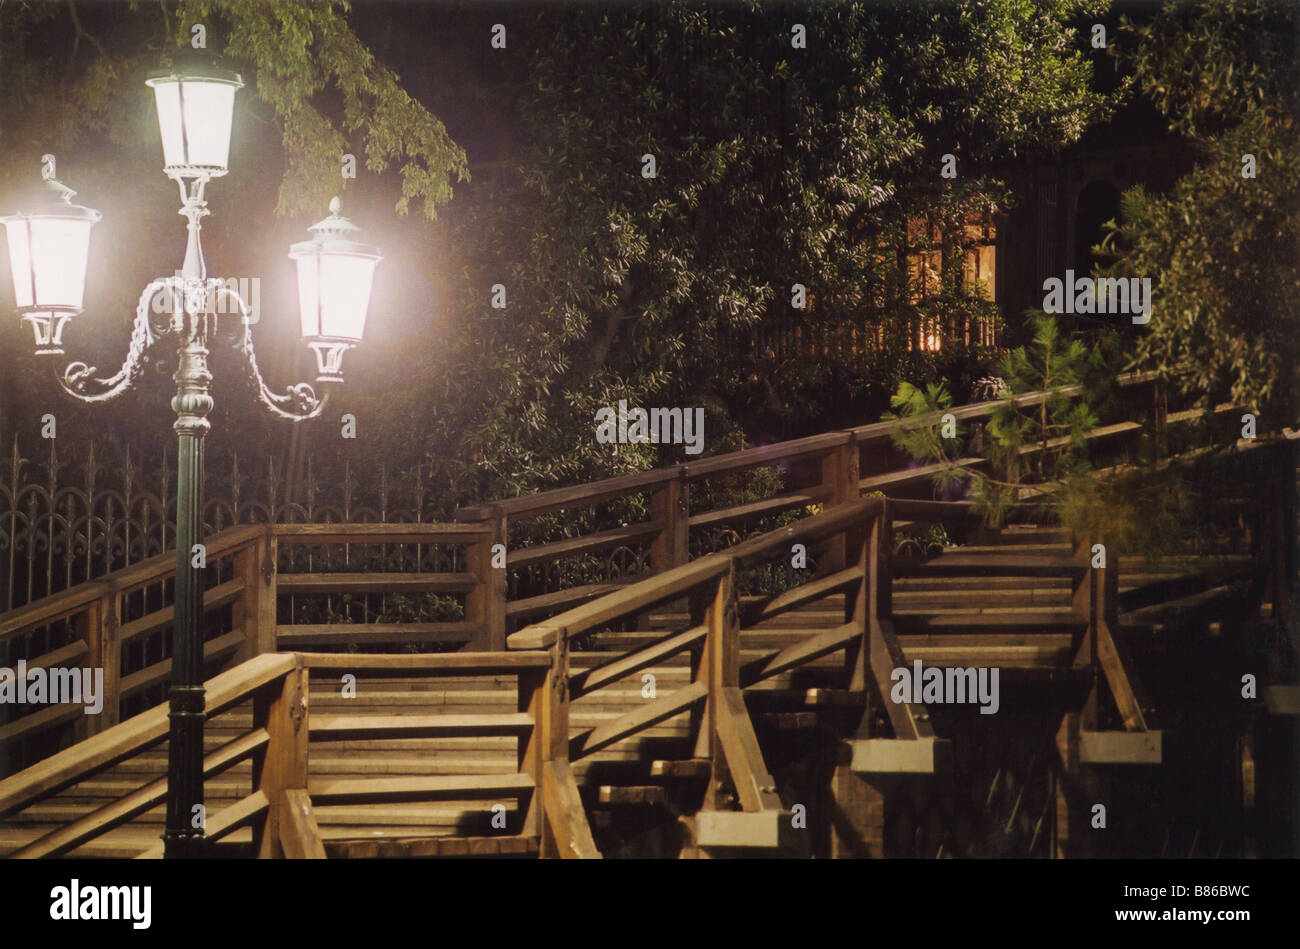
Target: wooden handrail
{"points": [[661, 588], [86, 758]]}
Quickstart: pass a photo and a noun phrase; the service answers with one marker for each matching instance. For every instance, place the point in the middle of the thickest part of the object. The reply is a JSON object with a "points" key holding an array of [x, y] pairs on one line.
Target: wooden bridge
{"points": [[705, 698]]}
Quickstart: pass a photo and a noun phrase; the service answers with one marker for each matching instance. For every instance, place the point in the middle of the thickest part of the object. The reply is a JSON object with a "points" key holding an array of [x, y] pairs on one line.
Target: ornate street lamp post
{"points": [[48, 251]]}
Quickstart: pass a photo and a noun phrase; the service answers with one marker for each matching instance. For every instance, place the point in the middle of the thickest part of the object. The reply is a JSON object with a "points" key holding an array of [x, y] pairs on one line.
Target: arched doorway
{"points": [[1098, 203]]}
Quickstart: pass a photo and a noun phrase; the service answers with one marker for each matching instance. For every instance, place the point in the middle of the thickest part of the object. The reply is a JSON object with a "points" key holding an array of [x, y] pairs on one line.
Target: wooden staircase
{"points": [[669, 690]]}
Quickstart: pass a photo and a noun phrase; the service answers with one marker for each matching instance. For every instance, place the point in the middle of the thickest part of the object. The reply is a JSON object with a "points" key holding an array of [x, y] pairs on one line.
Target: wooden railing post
{"points": [[97, 626], [282, 710], [1159, 409], [485, 605], [555, 814], [255, 611], [1084, 601], [857, 601], [668, 503], [839, 479]]}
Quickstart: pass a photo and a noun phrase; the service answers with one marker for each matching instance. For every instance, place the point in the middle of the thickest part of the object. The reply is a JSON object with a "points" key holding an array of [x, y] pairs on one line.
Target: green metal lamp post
{"points": [[48, 252]]}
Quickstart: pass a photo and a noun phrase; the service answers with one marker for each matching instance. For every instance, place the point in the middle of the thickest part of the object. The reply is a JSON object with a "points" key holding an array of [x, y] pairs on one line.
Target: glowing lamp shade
{"points": [[195, 111], [48, 251], [335, 273]]}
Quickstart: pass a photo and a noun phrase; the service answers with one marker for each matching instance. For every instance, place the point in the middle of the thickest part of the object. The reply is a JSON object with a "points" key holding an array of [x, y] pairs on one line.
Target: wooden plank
{"points": [[385, 533], [957, 564], [798, 596], [50, 609], [508, 845], [835, 698], [547, 602], [738, 513], [40, 720], [148, 728], [163, 566], [349, 727], [240, 814], [423, 788], [425, 664], [219, 596], [1018, 621], [893, 479], [829, 523], [687, 768], [947, 511], [795, 655], [299, 835], [565, 813], [643, 716], [68, 837], [882, 430], [588, 543], [765, 455], [59, 657], [589, 680], [584, 495], [290, 636], [161, 671], [656, 589], [618, 795], [1093, 434], [303, 583]]}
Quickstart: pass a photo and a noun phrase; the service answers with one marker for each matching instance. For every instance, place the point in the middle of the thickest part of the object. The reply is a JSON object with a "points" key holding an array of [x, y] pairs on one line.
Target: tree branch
{"points": [[76, 25]]}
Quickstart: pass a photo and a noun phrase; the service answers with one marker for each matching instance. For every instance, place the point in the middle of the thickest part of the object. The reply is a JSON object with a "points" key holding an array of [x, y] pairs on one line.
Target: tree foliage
{"points": [[775, 165], [1223, 248]]}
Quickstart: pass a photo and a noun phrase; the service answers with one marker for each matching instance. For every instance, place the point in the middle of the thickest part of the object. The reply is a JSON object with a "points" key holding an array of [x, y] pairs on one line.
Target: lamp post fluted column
{"points": [[192, 403]]}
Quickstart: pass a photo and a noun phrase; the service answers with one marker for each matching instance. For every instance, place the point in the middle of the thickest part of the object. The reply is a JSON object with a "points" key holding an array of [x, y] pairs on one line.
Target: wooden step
{"points": [[441, 788], [344, 727], [506, 845], [1026, 621], [650, 795]]}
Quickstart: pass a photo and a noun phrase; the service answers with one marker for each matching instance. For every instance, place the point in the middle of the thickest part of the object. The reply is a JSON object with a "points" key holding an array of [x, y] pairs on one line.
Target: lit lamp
{"points": [[48, 247], [195, 109], [48, 250], [335, 272]]}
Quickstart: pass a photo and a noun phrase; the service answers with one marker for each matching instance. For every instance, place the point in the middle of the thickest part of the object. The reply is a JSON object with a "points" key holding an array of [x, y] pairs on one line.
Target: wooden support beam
{"points": [[755, 787], [798, 596], [797, 654], [1107, 747], [282, 765], [299, 835], [243, 812], [564, 814], [927, 755], [767, 830], [589, 680], [643, 716]]}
